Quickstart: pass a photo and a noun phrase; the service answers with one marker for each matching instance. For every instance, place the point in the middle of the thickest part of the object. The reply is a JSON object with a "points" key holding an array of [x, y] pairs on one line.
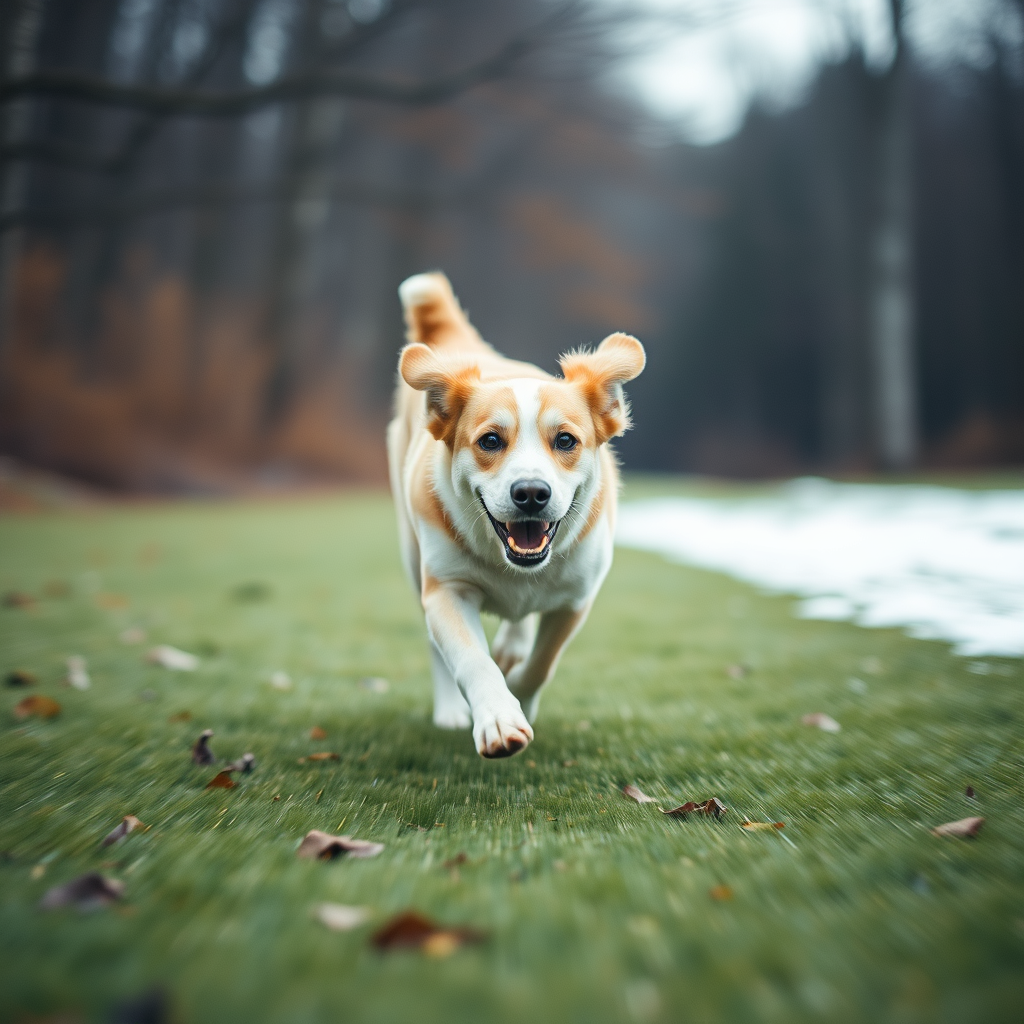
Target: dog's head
{"points": [[526, 449]]}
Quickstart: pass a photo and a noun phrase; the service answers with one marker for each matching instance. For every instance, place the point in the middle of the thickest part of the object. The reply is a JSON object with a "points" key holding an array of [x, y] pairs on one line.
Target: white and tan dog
{"points": [[506, 494]]}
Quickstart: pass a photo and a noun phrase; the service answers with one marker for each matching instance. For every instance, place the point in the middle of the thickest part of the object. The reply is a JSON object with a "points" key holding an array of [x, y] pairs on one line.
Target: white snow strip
{"points": [[945, 564]]}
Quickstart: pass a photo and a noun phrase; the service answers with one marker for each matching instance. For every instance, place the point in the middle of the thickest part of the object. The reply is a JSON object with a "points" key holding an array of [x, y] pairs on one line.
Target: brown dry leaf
{"points": [[222, 780], [111, 601], [761, 826], [638, 795], [965, 828], [319, 845], [712, 807], [968, 792], [42, 707], [819, 720], [201, 752], [317, 733], [128, 824], [457, 861], [323, 755], [87, 892], [21, 677], [340, 918], [18, 599], [410, 930], [181, 716], [720, 892]]}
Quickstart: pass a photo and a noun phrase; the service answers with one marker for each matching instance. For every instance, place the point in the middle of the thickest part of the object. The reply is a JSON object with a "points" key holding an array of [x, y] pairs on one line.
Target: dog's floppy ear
{"points": [[601, 374], [447, 382]]}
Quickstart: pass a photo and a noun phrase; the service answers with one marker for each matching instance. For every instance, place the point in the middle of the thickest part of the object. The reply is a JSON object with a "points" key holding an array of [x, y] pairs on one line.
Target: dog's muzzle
{"points": [[527, 541]]}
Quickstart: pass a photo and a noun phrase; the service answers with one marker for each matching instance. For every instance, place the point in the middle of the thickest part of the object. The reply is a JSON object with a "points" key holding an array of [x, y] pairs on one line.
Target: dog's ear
{"points": [[447, 382], [601, 374]]}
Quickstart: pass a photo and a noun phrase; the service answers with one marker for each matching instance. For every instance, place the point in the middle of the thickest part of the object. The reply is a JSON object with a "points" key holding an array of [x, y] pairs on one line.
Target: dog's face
{"points": [[524, 451]]}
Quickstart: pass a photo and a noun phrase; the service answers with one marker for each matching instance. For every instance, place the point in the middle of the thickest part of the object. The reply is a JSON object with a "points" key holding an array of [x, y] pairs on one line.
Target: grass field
{"points": [[597, 909]]}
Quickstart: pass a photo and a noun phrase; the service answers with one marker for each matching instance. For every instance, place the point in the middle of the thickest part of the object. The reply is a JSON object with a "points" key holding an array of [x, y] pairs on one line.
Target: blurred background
{"points": [[810, 211]]}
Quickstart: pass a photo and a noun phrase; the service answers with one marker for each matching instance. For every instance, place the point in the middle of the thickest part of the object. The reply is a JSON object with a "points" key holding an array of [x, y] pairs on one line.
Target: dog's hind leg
{"points": [[513, 642], [450, 708]]}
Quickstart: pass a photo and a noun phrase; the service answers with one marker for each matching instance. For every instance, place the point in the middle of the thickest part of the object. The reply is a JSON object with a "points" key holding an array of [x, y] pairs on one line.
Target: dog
{"points": [[506, 490]]}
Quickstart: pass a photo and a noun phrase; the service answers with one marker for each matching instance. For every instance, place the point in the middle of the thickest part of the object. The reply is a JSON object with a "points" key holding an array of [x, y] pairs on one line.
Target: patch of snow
{"points": [[944, 564]]}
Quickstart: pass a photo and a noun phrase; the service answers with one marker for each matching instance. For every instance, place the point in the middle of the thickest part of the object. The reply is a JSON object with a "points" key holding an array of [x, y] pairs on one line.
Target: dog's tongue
{"points": [[529, 534]]}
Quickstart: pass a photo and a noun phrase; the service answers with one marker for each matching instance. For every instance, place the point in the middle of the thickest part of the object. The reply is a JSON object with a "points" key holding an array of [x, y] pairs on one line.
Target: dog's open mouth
{"points": [[527, 541]]}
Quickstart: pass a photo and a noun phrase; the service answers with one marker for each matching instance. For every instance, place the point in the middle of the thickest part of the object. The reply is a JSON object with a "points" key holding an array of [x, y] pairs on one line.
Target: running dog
{"points": [[506, 491]]}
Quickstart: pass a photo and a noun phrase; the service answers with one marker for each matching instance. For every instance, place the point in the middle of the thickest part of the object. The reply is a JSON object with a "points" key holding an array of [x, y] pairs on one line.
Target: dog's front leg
{"points": [[500, 728], [556, 629]]}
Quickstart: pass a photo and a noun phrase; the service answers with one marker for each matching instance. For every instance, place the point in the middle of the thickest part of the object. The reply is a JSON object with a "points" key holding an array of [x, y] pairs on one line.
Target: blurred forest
{"points": [[207, 206]]}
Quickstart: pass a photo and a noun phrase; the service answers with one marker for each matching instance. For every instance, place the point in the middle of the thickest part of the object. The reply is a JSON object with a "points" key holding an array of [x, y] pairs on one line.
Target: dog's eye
{"points": [[565, 442], [490, 442]]}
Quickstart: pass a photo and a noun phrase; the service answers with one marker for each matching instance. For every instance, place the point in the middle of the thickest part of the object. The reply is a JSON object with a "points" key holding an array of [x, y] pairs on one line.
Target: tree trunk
{"points": [[891, 314]]}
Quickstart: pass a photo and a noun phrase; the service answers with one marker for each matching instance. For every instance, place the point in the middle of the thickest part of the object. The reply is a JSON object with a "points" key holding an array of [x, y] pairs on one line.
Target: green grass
{"points": [[597, 909]]}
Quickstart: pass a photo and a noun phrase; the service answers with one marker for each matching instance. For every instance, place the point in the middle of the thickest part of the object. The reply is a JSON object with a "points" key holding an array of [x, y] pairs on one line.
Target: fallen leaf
{"points": [[244, 764], [128, 824], [18, 599], [150, 1007], [222, 780], [316, 733], [21, 677], [375, 684], [77, 676], [133, 635], [323, 755], [720, 892], [319, 845], [280, 681], [111, 601], [457, 861], [87, 892], [172, 658], [411, 930], [968, 792], [43, 707], [201, 752], [820, 720], [181, 716], [635, 794], [965, 828], [761, 826], [340, 918], [713, 807]]}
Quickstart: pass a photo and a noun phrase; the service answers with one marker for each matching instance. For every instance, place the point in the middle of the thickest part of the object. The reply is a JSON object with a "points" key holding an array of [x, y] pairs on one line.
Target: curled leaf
{"points": [[410, 930], [172, 658], [761, 826], [317, 733], [128, 824], [634, 793], [965, 828], [340, 918], [77, 676], [87, 892], [819, 720], [712, 807], [21, 677], [201, 752], [41, 707], [319, 845], [244, 764], [722, 893], [222, 780]]}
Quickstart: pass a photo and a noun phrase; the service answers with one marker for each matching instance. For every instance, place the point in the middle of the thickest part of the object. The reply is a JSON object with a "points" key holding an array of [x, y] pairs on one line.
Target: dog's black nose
{"points": [[531, 495]]}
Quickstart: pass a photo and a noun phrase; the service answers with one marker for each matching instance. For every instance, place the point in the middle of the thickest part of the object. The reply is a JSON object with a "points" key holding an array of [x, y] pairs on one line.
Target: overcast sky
{"points": [[703, 72]]}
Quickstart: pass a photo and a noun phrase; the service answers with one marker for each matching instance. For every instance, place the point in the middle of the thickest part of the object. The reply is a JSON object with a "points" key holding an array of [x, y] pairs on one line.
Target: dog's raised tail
{"points": [[433, 315]]}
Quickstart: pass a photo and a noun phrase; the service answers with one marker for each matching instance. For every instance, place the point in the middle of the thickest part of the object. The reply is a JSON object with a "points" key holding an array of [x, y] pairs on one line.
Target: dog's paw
{"points": [[452, 718], [501, 732]]}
